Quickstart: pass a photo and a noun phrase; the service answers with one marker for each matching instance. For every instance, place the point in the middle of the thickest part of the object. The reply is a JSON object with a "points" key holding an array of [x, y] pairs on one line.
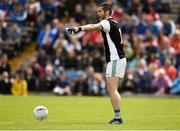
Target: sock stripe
{"points": [[118, 110]]}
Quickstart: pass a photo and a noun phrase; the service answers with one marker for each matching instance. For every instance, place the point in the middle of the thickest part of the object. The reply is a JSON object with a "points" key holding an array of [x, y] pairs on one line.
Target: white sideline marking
{"points": [[91, 130]]}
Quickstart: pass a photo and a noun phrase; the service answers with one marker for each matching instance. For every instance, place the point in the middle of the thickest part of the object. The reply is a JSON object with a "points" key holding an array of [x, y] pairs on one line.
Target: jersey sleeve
{"points": [[105, 25]]}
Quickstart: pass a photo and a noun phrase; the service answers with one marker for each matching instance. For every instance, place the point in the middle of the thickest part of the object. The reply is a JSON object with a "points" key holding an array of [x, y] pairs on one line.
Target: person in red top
{"points": [[175, 41]]}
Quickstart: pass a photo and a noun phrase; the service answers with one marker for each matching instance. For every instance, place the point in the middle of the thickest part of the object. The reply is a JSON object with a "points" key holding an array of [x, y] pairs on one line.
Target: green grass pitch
{"points": [[89, 113]]}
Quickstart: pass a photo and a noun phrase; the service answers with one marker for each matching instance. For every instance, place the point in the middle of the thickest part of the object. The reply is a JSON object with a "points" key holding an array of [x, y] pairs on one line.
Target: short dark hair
{"points": [[106, 7]]}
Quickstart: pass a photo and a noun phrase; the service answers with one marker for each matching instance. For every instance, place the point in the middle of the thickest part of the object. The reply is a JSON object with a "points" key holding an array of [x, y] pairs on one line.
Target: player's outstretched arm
{"points": [[87, 28]]}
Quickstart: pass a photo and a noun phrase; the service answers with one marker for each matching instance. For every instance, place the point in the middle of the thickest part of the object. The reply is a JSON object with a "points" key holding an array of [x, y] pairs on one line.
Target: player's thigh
{"points": [[112, 83]]}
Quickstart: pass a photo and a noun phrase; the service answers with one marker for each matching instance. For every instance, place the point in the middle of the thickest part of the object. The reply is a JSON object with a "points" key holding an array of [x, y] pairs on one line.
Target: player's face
{"points": [[100, 13]]}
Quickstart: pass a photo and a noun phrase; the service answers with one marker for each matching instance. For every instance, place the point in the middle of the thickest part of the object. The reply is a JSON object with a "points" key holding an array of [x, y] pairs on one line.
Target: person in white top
{"points": [[114, 53]]}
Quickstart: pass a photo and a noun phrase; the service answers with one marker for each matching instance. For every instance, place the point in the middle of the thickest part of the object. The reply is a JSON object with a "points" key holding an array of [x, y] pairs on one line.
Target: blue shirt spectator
{"points": [[176, 86], [46, 35]]}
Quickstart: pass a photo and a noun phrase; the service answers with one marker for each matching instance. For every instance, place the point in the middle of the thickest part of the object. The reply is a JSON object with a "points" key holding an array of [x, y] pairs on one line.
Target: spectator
{"points": [[168, 26], [97, 61], [137, 59], [74, 45], [34, 9], [81, 86], [58, 61], [175, 90], [36, 67], [3, 28], [129, 83], [62, 86], [158, 23], [78, 13], [51, 9], [42, 58], [151, 26], [18, 14], [145, 82], [170, 69], [5, 83], [4, 64], [141, 27], [47, 81], [175, 41], [19, 87], [90, 72], [31, 80], [71, 61], [85, 60], [45, 36], [127, 26], [152, 59], [60, 41], [161, 83], [98, 86]]}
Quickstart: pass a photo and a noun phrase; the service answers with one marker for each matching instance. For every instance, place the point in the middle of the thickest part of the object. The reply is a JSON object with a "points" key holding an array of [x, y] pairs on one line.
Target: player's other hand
{"points": [[74, 30]]}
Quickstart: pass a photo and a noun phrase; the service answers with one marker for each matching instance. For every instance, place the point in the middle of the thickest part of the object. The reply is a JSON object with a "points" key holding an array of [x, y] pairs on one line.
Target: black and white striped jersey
{"points": [[112, 40]]}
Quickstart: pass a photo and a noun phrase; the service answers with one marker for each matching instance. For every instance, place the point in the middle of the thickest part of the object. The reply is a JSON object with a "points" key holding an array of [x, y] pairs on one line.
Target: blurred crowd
{"points": [[74, 64]]}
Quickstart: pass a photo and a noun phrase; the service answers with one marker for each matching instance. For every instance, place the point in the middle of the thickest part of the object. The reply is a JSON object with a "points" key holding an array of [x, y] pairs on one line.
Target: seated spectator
{"points": [[97, 61], [145, 82], [85, 60], [4, 64], [143, 78], [60, 41], [129, 83], [31, 80], [164, 43], [151, 26], [74, 45], [62, 86], [177, 65], [34, 6], [90, 78], [142, 26], [42, 58], [170, 69], [175, 41], [158, 23], [129, 52], [19, 86], [161, 83], [135, 7], [58, 60], [175, 90], [78, 13], [51, 9], [47, 81], [36, 67], [6, 6], [98, 87], [168, 26], [81, 86], [5, 83], [14, 35], [71, 65], [127, 26], [45, 36], [3, 28], [137, 59], [117, 11], [18, 14]]}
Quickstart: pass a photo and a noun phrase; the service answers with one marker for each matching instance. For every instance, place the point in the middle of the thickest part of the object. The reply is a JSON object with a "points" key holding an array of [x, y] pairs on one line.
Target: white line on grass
{"points": [[91, 130]]}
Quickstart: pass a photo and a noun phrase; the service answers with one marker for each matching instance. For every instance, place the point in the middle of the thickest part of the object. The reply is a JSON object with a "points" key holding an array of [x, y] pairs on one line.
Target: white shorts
{"points": [[116, 68]]}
